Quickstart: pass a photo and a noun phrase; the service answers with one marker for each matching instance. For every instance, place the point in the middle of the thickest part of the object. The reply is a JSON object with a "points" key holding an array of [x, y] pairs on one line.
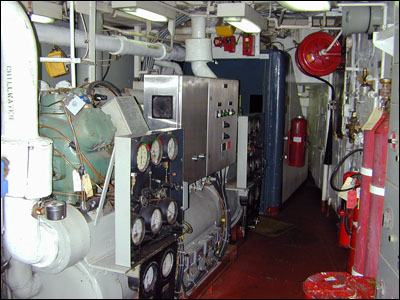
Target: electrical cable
{"points": [[337, 168]]}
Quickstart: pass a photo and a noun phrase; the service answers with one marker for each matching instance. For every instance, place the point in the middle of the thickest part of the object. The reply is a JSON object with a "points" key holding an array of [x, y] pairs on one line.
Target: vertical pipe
{"points": [[363, 214], [72, 42], [92, 41], [377, 199]]}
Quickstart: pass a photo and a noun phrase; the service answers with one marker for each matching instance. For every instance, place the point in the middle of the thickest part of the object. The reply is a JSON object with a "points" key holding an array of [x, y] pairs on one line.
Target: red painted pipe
{"points": [[363, 213], [365, 198], [353, 239], [377, 198]]}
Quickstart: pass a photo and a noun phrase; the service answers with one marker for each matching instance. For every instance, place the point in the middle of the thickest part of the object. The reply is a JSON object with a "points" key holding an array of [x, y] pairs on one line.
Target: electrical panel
{"points": [[206, 108], [148, 209]]}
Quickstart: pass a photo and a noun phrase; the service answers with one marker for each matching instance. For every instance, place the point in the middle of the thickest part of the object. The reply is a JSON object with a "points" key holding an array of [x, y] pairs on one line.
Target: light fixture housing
{"points": [[242, 16], [41, 19], [307, 5], [146, 10]]}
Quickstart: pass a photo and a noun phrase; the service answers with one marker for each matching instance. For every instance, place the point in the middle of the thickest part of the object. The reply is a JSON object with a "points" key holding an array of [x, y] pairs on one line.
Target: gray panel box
{"points": [[206, 108]]}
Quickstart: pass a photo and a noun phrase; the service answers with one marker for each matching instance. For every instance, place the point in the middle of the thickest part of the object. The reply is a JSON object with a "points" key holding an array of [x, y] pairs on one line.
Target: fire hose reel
{"points": [[313, 57]]}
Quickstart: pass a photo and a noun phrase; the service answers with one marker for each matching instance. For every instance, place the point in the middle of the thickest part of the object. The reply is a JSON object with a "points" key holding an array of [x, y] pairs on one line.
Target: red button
{"points": [[229, 145]]}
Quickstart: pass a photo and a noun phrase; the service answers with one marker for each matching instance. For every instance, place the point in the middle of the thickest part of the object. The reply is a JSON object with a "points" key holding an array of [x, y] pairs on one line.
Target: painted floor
{"points": [[276, 267]]}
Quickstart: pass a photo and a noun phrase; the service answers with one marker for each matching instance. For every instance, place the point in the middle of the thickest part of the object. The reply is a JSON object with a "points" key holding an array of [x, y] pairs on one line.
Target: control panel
{"points": [[148, 209], [206, 108]]}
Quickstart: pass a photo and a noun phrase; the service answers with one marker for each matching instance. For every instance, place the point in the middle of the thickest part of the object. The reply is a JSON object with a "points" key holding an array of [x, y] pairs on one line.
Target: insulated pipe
{"points": [[117, 45], [198, 48], [377, 190], [169, 64]]}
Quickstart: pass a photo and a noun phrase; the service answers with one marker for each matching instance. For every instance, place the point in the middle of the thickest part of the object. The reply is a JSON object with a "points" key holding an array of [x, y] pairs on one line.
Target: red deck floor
{"points": [[275, 268]]}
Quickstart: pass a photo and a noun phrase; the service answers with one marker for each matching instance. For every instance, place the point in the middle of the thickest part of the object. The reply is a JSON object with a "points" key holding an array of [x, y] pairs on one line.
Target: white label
{"points": [[349, 183], [74, 105], [76, 179], [373, 119], [297, 139]]}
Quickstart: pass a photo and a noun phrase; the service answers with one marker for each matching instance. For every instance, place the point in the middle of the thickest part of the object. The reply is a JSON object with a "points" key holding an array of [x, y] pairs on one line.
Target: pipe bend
{"points": [[201, 69]]}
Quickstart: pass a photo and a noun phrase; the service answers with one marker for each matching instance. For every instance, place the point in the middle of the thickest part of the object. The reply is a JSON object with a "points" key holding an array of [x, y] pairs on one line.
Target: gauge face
{"points": [[138, 230], [156, 151], [172, 212], [172, 148], [156, 221], [150, 278], [143, 157], [167, 264]]}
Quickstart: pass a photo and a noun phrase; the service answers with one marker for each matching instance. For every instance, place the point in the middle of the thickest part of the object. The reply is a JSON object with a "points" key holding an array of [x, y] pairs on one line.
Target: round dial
{"points": [[167, 264], [156, 151], [143, 157], [138, 230], [156, 221], [172, 212], [172, 148], [150, 278]]}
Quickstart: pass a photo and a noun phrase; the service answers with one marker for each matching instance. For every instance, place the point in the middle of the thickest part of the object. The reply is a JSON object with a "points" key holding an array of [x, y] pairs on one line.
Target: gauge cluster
{"points": [[149, 193]]}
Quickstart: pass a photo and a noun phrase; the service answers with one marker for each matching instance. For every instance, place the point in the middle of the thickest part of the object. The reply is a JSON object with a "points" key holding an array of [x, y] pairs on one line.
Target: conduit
{"points": [[198, 48], [117, 45], [169, 64]]}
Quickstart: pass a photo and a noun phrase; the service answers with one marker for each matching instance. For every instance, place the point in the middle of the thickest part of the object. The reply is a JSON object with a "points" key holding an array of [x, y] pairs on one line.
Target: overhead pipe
{"points": [[169, 64], [117, 45], [198, 48]]}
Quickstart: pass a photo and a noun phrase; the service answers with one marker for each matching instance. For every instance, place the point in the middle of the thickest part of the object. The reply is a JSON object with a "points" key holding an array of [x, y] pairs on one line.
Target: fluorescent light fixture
{"points": [[149, 10], [242, 16], [306, 5], [41, 19], [243, 24], [146, 14]]}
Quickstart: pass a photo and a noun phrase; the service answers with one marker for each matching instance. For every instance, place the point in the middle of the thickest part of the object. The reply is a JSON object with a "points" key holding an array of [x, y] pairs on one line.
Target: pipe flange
{"points": [[123, 40], [164, 52]]}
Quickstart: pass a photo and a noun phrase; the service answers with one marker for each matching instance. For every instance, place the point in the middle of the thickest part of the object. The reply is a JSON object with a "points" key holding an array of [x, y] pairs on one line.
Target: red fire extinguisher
{"points": [[297, 142], [348, 216]]}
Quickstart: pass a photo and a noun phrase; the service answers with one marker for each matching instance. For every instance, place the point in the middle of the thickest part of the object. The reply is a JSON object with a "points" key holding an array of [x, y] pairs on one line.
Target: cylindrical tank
{"points": [[204, 213], [297, 142]]}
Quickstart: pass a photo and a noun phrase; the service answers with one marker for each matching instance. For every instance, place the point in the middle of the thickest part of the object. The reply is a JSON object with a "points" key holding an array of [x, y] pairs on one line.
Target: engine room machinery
{"points": [[206, 109]]}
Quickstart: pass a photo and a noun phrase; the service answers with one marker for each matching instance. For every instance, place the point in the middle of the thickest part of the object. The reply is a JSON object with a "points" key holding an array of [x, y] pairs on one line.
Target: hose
{"points": [[106, 84], [337, 168], [181, 266]]}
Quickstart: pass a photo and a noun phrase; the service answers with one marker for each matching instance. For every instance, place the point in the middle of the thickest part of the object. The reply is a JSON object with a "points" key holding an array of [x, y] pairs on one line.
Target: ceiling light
{"points": [[242, 16], [148, 15], [306, 5], [41, 19], [148, 10]]}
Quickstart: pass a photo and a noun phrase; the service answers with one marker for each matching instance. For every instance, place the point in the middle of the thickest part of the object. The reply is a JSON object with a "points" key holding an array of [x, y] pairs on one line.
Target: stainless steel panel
{"points": [[196, 101], [242, 140], [221, 142], [193, 103]]}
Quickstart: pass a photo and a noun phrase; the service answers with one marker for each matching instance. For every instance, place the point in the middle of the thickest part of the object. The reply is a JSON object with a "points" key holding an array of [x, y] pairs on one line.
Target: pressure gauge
{"points": [[156, 221], [172, 148], [156, 151], [167, 264], [169, 209], [138, 230], [150, 277], [143, 157]]}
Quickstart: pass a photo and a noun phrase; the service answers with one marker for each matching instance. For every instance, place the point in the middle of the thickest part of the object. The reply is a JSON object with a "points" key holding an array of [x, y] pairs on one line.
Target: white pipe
{"points": [[169, 64], [72, 42], [188, 30], [113, 44], [23, 283], [59, 59], [198, 48]]}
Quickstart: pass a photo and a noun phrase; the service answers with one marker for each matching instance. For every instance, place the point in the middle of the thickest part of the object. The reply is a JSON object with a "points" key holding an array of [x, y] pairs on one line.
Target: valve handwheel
{"points": [[310, 57]]}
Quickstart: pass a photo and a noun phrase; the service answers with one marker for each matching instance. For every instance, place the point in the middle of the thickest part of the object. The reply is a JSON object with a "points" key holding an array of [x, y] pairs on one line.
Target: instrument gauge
{"points": [[156, 221], [138, 230], [143, 157], [150, 277], [167, 264], [172, 148], [156, 151]]}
